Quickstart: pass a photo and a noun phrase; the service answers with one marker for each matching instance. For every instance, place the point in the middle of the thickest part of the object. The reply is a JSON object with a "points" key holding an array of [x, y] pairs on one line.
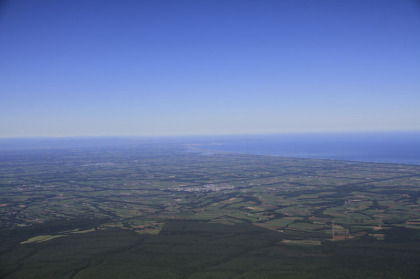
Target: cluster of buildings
{"points": [[205, 188]]}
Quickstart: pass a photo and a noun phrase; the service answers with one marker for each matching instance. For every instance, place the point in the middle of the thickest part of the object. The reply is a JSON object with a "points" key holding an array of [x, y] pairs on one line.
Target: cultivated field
{"points": [[173, 211]]}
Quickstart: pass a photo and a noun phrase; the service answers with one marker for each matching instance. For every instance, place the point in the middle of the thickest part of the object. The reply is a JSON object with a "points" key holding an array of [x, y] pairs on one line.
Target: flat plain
{"points": [[175, 211]]}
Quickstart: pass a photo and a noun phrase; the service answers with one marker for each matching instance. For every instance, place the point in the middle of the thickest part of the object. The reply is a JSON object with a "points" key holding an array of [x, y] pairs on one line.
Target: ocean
{"points": [[390, 147], [396, 147]]}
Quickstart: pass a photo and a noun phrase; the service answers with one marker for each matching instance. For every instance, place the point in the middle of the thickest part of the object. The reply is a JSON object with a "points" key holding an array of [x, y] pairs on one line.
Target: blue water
{"points": [[403, 148]]}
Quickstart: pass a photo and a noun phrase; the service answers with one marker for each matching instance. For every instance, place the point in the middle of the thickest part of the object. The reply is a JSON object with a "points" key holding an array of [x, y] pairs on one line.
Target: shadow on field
{"points": [[189, 249]]}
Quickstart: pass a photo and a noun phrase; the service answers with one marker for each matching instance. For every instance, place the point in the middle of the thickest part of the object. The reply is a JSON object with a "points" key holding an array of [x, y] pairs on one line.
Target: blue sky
{"points": [[146, 68]]}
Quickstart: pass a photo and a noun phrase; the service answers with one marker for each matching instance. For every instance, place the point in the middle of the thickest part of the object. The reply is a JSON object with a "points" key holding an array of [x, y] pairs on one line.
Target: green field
{"points": [[157, 211]]}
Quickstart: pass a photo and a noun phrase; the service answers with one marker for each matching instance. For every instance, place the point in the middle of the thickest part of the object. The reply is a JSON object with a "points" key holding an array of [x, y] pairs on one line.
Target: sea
{"points": [[382, 147]]}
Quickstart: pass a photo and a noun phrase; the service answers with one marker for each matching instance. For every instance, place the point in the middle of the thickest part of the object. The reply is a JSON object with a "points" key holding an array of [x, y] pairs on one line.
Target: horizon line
{"points": [[207, 135]]}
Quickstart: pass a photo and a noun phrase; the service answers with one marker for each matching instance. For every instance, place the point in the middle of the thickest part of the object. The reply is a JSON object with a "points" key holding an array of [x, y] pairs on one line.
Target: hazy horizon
{"points": [[303, 133]]}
